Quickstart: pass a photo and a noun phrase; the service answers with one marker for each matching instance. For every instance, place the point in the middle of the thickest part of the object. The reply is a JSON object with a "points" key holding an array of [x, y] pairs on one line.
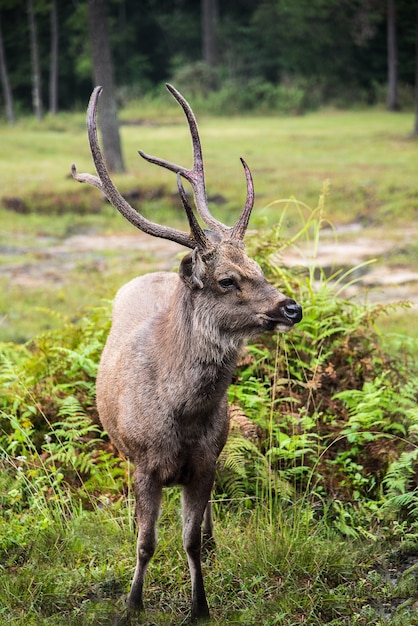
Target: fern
{"points": [[70, 442], [405, 502], [244, 472], [400, 475], [378, 406]]}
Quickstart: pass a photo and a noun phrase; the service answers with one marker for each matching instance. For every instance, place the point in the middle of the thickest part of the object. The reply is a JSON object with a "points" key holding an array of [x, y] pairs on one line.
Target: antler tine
{"points": [[105, 184], [238, 231], [196, 175], [197, 232]]}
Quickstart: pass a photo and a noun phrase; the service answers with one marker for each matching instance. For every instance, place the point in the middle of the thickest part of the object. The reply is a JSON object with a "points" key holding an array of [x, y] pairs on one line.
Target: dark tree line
{"points": [[352, 47]]}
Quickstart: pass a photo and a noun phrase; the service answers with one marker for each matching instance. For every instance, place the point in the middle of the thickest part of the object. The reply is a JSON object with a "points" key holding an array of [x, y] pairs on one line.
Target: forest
{"points": [[313, 52]]}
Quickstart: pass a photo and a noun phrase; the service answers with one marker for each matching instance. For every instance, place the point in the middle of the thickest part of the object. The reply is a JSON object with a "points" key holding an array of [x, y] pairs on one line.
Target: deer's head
{"points": [[217, 270]]}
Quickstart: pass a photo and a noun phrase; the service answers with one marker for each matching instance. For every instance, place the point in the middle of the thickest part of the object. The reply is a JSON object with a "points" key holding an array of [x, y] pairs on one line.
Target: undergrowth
{"points": [[304, 506]]}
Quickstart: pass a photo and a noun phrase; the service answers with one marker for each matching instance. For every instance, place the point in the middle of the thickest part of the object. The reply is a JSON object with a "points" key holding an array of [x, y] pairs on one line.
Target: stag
{"points": [[170, 355]]}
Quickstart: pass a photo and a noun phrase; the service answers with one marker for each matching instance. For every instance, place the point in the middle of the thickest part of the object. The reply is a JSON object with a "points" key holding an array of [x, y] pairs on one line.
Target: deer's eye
{"points": [[227, 282]]}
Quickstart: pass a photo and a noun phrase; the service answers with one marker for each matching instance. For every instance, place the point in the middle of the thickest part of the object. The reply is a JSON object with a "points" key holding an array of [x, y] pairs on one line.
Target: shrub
{"points": [[336, 412], [230, 97]]}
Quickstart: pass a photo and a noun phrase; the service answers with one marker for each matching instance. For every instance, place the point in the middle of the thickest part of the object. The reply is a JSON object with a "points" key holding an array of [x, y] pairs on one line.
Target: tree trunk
{"points": [[209, 19], [415, 131], [392, 50], [53, 72], [7, 92], [103, 75], [36, 70]]}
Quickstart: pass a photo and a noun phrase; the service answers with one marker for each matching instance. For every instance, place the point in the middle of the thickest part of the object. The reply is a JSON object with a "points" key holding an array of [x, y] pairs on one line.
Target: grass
{"points": [[47, 291], [293, 571], [366, 155], [292, 157], [315, 524]]}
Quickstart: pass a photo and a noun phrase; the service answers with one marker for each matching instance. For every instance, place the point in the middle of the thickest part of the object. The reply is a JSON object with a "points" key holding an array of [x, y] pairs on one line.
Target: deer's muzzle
{"points": [[283, 316], [292, 311]]}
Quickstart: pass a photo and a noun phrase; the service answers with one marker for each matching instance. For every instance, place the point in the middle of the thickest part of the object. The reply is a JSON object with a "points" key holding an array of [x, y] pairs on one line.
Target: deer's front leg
{"points": [[195, 498], [148, 499]]}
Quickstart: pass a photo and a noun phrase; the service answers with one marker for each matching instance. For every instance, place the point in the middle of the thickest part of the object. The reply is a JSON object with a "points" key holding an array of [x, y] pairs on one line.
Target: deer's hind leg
{"points": [[208, 543], [148, 493]]}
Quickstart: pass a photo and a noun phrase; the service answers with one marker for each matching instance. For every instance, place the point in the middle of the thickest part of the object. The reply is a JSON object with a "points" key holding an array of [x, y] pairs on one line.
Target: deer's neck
{"points": [[198, 356], [197, 331]]}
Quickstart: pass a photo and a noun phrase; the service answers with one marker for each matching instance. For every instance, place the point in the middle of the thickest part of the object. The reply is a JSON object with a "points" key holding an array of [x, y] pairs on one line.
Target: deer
{"points": [[171, 352]]}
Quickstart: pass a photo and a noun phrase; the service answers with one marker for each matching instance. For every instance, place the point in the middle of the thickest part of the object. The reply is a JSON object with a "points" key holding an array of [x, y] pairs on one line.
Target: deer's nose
{"points": [[292, 311]]}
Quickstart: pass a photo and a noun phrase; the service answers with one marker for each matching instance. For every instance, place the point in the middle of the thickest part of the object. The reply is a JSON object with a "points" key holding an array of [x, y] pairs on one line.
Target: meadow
{"points": [[367, 157], [315, 516]]}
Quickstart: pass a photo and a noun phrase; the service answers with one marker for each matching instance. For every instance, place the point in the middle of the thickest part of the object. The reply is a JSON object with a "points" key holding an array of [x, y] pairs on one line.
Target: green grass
{"points": [[316, 522], [293, 571], [367, 156]]}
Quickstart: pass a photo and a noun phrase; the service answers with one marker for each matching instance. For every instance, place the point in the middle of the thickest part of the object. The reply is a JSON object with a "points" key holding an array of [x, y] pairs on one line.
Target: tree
{"points": [[7, 92], [339, 47], [209, 38], [415, 131], [53, 72], [392, 52], [103, 75], [36, 68]]}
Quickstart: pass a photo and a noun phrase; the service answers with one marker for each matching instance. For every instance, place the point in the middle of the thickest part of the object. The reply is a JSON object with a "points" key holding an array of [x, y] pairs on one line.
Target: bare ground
{"points": [[380, 281], [383, 279]]}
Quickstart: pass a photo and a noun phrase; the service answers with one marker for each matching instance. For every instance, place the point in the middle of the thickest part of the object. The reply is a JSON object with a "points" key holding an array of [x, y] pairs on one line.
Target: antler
{"points": [[199, 235], [196, 177], [105, 184], [240, 227]]}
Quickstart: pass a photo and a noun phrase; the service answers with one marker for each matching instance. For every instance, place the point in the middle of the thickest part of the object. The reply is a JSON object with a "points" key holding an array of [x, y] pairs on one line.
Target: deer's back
{"points": [[138, 301]]}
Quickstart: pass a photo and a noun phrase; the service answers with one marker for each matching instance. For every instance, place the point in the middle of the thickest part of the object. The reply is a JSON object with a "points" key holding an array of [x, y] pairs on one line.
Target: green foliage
{"points": [[245, 474], [337, 47], [259, 96], [37, 376], [328, 476], [338, 412], [378, 407], [54, 454]]}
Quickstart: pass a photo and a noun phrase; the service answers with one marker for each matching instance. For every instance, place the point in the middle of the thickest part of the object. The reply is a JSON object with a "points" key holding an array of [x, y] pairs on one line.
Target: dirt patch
{"points": [[363, 255], [339, 251], [53, 261], [78, 202]]}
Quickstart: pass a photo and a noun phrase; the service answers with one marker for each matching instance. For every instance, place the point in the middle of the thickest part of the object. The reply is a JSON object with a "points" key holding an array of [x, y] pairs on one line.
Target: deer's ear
{"points": [[192, 269]]}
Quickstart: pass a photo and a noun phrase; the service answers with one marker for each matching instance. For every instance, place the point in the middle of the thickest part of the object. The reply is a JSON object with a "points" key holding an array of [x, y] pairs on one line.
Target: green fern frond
{"points": [[405, 501], [243, 470], [401, 474]]}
